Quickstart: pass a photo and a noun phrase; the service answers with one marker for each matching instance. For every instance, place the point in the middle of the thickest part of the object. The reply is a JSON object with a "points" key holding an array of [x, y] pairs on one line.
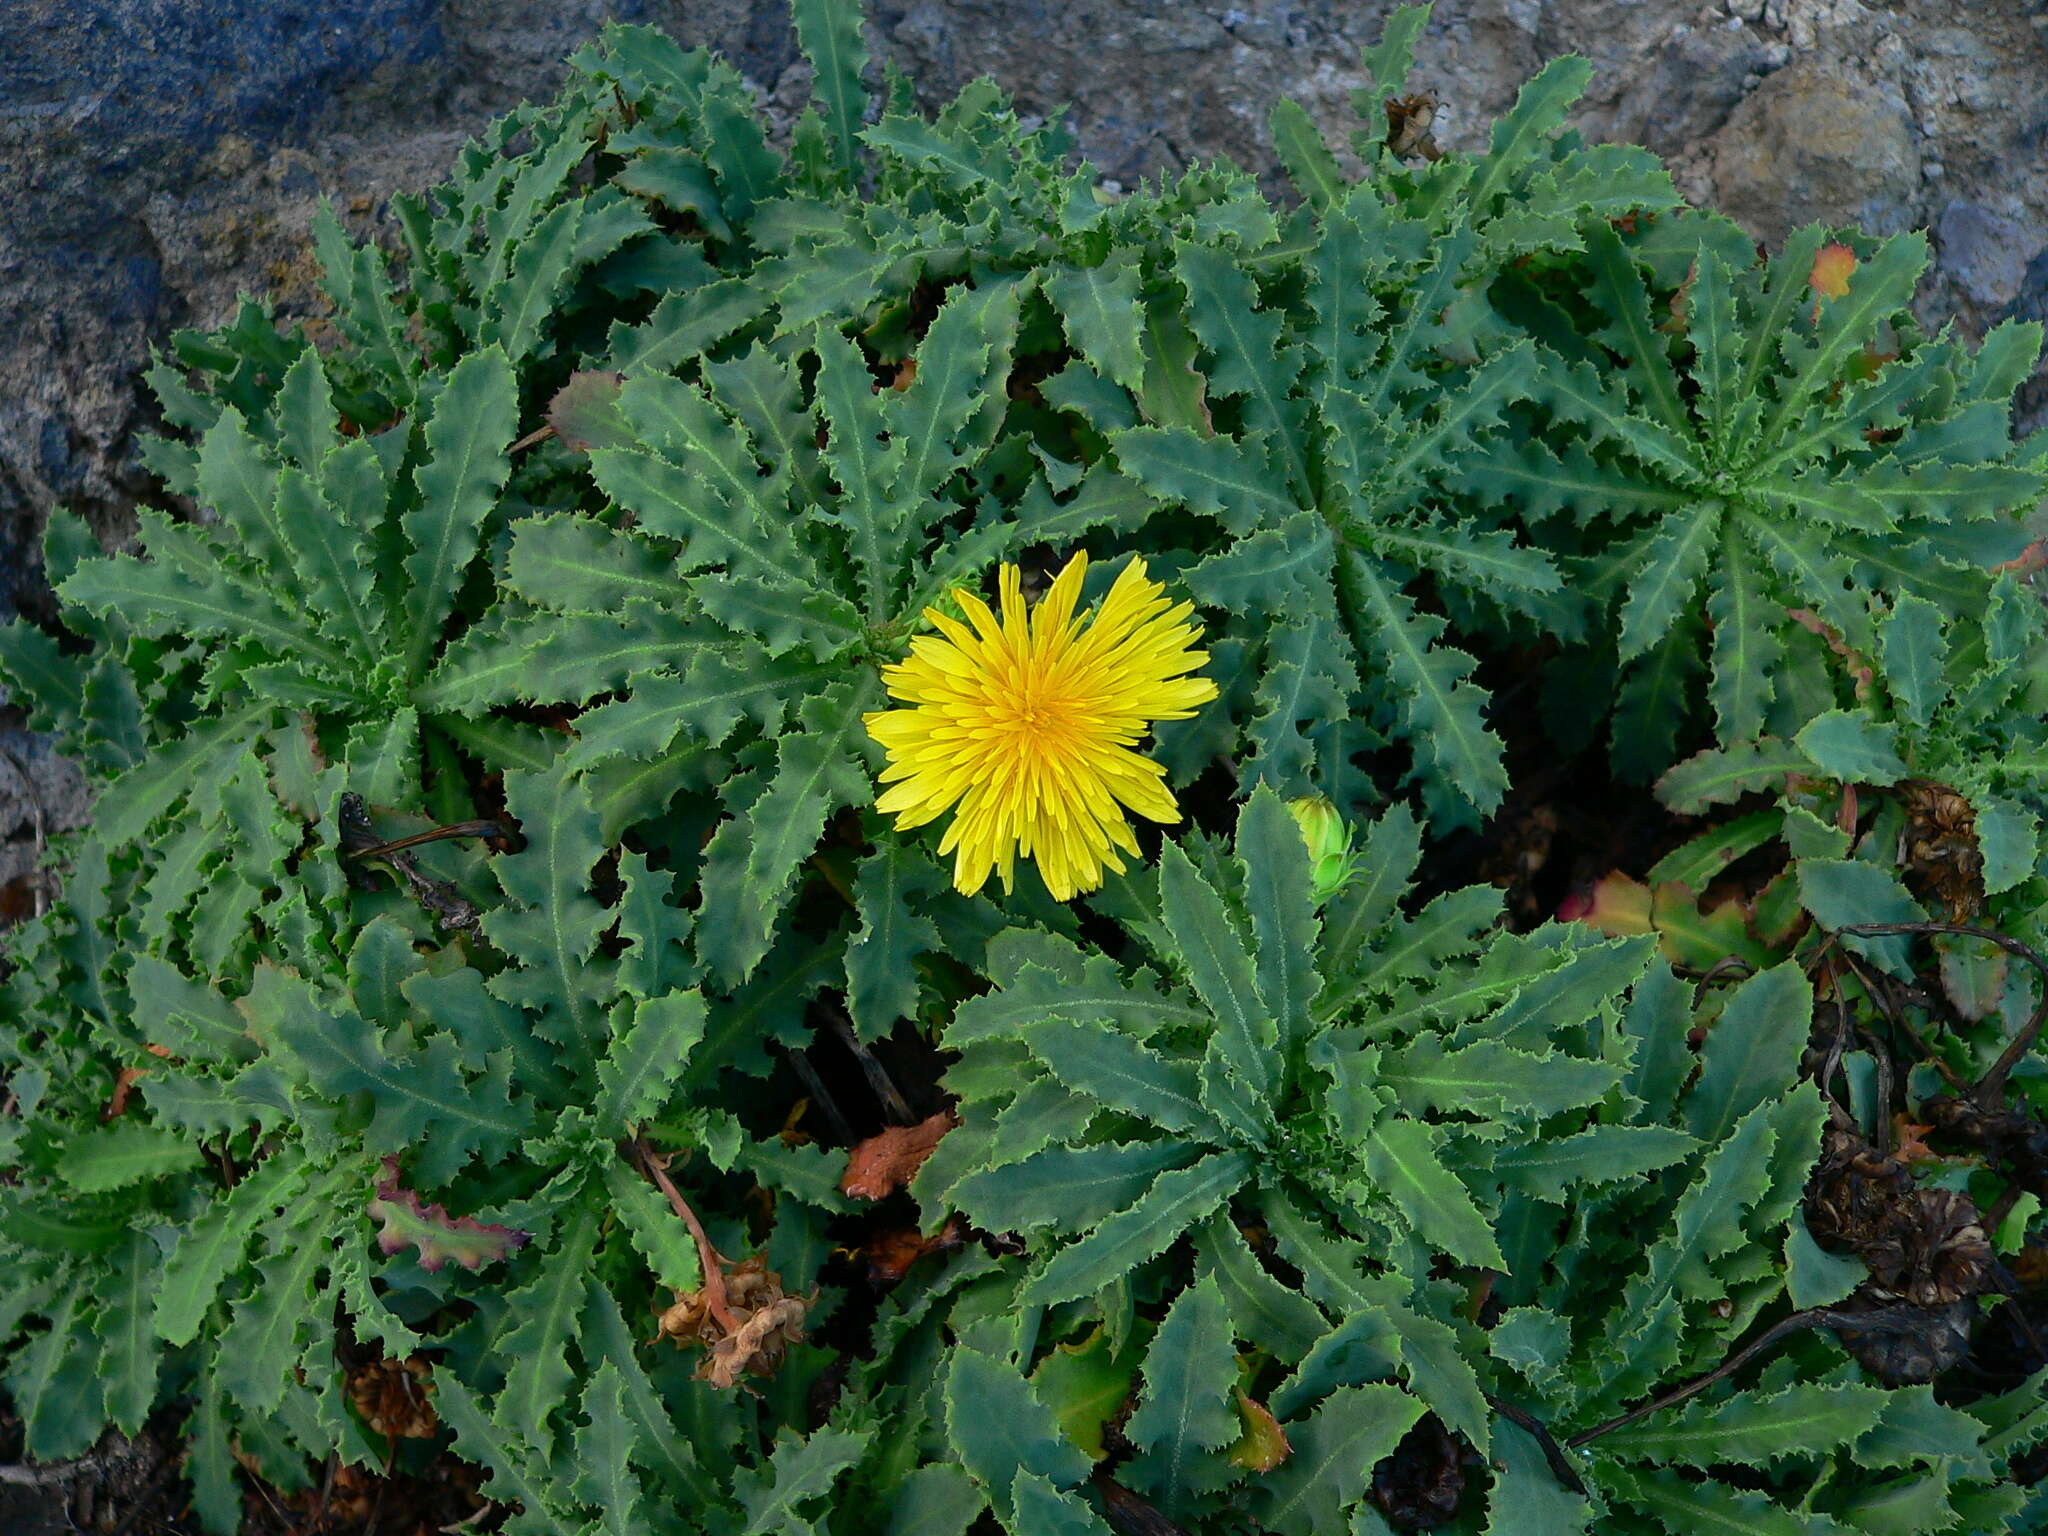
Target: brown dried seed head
{"points": [[395, 1398]]}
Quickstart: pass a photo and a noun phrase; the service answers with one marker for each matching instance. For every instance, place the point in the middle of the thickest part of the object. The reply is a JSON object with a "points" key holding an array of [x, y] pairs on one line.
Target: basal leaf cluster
{"points": [[486, 962]]}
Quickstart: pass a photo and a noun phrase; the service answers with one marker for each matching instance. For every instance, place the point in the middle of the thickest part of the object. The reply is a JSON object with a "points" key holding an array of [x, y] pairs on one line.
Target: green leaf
{"points": [[940, 1499], [680, 181], [1813, 1276], [815, 773], [1362, 1348], [684, 325], [606, 1340], [1310, 165], [1333, 1457], [216, 1495], [1548, 1169], [1526, 1498], [1847, 744], [721, 508], [382, 758], [123, 1153], [646, 1059], [1283, 1320], [881, 975], [1659, 1304], [1882, 284], [1387, 63], [1041, 977], [1070, 1188], [1673, 560], [1403, 1157], [830, 34], [479, 1438], [1141, 1231], [1103, 317], [2010, 840], [656, 1232], [281, 1318], [1492, 1079], [327, 545], [1280, 900], [1617, 288], [605, 1444], [1109, 1066], [1747, 652], [999, 1428], [1213, 950], [1185, 1414], [1040, 1509], [1215, 476], [951, 158], [1753, 1429], [1457, 758], [553, 923], [1086, 1384], [1363, 907], [575, 564], [474, 420], [419, 1096], [1705, 1509], [1915, 653], [214, 1246], [540, 1319], [128, 1305], [239, 482], [40, 676], [53, 1385], [1722, 777], [802, 1468], [1841, 893], [1752, 1051], [519, 305], [1251, 360], [865, 465], [156, 598]]}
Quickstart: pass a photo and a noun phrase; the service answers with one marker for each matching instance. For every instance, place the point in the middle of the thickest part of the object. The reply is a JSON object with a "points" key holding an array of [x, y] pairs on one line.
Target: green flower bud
{"points": [[1329, 843]]}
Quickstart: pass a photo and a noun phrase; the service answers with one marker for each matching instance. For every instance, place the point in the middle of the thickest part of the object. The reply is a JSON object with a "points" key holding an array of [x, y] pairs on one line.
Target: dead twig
{"points": [[1560, 1465], [1727, 965], [708, 1257], [43, 1477], [1798, 1321], [1990, 1090], [1880, 1320], [893, 1103], [438, 897], [34, 797], [820, 1095], [1881, 992]]}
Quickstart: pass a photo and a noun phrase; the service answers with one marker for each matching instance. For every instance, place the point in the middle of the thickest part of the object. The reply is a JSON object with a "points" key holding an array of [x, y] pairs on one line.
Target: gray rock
{"points": [[1986, 254], [1692, 85], [163, 156], [41, 794], [1814, 144], [2030, 407]]}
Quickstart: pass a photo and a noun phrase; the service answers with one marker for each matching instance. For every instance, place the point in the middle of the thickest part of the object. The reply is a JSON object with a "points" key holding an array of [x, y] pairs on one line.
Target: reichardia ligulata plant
{"points": [[488, 947]]}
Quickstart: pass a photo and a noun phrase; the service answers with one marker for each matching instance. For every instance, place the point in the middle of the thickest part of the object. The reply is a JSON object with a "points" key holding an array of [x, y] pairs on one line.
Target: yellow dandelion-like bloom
{"points": [[1028, 726]]}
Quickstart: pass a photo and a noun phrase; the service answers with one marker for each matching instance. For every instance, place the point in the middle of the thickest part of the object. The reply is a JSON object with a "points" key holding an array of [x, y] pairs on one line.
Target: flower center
{"points": [[1041, 716]]}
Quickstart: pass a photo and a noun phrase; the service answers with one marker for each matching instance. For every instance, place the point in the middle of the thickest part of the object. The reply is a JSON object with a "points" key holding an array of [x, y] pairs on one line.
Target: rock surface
{"points": [[165, 156]]}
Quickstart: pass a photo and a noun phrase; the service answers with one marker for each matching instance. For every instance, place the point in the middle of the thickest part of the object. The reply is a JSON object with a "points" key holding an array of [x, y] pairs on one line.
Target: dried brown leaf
{"points": [[886, 1162]]}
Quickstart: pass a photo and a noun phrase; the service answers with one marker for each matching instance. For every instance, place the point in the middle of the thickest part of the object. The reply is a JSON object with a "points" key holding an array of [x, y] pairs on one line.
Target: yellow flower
{"points": [[1027, 725]]}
